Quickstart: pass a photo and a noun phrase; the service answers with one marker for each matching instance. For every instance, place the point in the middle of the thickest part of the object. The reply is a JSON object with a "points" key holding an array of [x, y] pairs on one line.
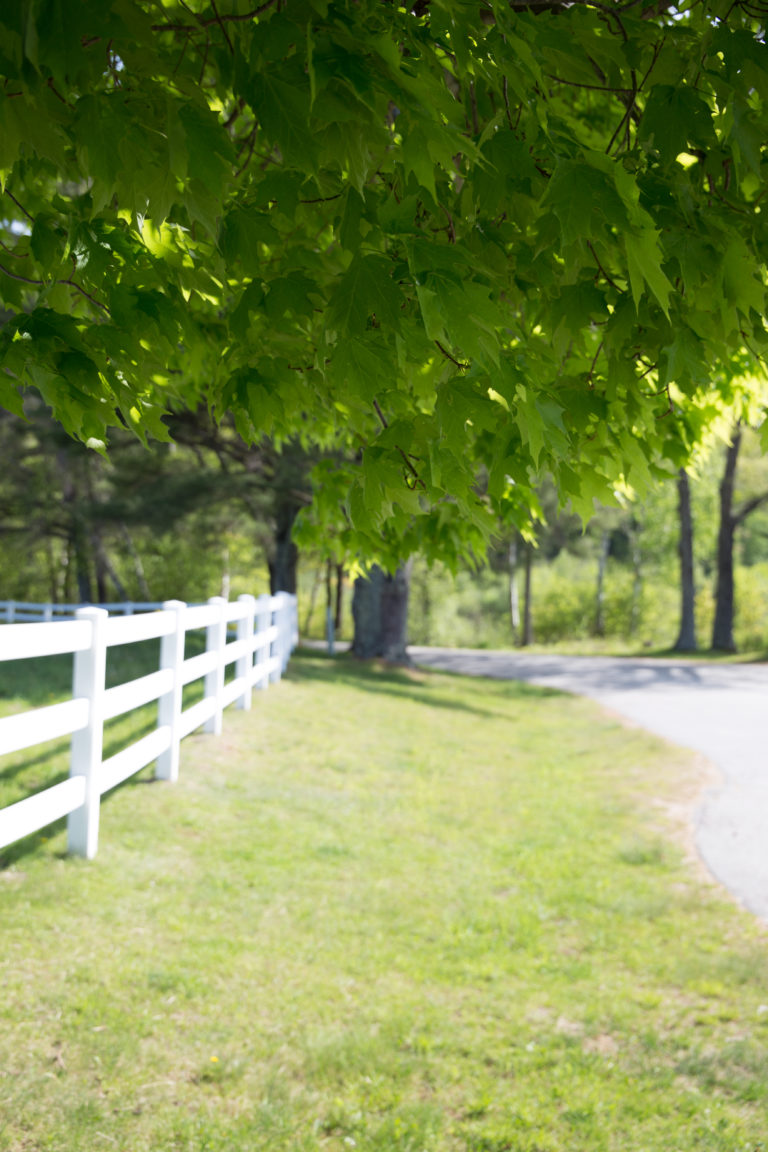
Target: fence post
{"points": [[169, 705], [47, 612], [244, 665], [10, 611], [285, 615], [86, 748], [274, 648], [216, 641], [263, 621]]}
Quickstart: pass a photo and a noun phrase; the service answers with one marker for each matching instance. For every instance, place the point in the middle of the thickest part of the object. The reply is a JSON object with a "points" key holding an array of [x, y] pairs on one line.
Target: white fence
{"points": [[265, 635]]}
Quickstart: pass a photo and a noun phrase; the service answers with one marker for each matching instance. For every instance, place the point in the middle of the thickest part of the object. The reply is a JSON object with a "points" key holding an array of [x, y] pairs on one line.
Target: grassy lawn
{"points": [[386, 911]]}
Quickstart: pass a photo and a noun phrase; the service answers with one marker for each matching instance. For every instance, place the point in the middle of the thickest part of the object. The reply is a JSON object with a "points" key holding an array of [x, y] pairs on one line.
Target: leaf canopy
{"points": [[514, 236]]}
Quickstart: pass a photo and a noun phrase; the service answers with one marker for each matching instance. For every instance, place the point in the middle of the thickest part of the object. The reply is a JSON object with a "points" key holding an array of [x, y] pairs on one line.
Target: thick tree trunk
{"points": [[395, 594], [527, 637], [380, 613], [283, 561], [722, 630], [686, 638], [602, 564], [366, 614]]}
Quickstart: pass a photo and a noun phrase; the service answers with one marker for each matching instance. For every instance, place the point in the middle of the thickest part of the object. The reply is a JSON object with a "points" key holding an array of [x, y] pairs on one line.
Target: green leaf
{"points": [[282, 109], [365, 296], [208, 146], [243, 233], [584, 200], [674, 119], [644, 262]]}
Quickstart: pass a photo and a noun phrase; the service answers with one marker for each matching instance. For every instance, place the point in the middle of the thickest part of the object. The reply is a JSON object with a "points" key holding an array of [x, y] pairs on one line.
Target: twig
{"points": [[16, 255], [594, 87], [380, 414], [611, 281], [251, 145], [322, 199], [24, 279], [87, 295], [223, 27], [234, 19], [417, 480], [451, 225], [631, 106], [505, 90], [21, 207], [56, 93], [473, 105], [594, 362], [452, 359], [41, 284]]}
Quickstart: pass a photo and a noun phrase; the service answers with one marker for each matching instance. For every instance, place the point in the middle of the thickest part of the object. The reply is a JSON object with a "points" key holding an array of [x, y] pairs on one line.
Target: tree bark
{"points": [[395, 594], [686, 637], [722, 630], [366, 614], [283, 561], [338, 609], [380, 614]]}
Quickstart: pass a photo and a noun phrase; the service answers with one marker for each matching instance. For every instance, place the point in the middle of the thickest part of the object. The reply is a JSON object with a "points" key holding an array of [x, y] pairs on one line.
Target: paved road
{"points": [[719, 710]]}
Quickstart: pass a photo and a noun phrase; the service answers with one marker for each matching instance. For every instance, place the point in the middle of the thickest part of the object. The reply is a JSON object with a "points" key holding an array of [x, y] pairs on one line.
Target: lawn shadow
{"points": [[404, 682]]}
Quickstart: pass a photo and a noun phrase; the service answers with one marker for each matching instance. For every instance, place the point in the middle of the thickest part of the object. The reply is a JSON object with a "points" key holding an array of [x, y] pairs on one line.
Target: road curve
{"points": [[720, 710]]}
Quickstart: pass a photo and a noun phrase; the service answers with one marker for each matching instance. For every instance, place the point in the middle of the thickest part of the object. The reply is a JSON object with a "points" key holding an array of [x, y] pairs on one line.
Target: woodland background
{"points": [[208, 514]]}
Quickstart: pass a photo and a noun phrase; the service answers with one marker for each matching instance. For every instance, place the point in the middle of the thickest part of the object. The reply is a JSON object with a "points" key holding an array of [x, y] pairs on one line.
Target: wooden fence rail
{"points": [[265, 635]]}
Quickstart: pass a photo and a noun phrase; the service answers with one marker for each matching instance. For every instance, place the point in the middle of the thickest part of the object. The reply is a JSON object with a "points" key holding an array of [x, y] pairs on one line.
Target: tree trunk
{"points": [[366, 614], [395, 594], [283, 561], [722, 631], [686, 639], [602, 564], [329, 621], [527, 637], [380, 613], [339, 602], [514, 592]]}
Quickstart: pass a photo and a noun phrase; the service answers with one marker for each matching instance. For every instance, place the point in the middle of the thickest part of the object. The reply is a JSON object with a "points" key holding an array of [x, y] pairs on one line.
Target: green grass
{"points": [[386, 911]]}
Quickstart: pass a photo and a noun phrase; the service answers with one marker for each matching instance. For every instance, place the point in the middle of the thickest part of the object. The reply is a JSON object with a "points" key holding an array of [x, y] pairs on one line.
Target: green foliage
{"points": [[532, 239]]}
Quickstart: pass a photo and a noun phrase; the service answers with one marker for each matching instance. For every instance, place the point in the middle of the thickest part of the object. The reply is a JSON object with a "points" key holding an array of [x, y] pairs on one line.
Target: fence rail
{"points": [[266, 634]]}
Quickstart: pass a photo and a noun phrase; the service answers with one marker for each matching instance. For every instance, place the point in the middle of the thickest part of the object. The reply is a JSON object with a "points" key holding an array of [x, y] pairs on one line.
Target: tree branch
{"points": [[217, 19], [41, 284], [452, 359], [748, 507]]}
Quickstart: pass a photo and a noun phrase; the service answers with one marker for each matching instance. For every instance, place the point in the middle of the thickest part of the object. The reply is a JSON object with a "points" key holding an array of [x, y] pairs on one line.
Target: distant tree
{"points": [[732, 517], [686, 637]]}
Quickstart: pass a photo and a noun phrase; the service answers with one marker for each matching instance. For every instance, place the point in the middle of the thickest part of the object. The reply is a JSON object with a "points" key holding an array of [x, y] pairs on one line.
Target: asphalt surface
{"points": [[717, 709]]}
